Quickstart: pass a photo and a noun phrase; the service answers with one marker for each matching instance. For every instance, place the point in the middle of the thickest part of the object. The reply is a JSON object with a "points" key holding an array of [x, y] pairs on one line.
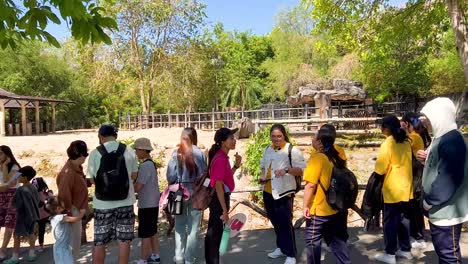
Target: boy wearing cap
{"points": [[147, 187], [113, 219]]}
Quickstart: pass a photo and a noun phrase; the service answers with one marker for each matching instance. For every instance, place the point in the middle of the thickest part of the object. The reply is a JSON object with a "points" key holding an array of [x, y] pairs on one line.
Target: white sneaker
{"points": [[419, 244], [276, 254], [404, 254], [326, 247], [386, 258], [290, 260]]}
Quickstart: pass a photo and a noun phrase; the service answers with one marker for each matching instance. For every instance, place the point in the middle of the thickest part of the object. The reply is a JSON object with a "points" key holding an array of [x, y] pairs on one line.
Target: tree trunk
{"points": [[142, 97], [460, 28]]}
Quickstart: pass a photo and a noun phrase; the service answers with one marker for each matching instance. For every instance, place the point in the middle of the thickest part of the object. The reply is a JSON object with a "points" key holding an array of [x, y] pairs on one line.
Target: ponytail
{"points": [[399, 134], [212, 152], [327, 135]]}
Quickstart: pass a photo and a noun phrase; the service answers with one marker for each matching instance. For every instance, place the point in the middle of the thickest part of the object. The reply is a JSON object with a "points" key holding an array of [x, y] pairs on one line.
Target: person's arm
{"points": [[237, 162], [171, 171], [309, 195], [144, 174], [298, 164], [383, 161], [450, 174], [65, 189], [219, 187], [74, 219], [92, 170], [312, 177]]}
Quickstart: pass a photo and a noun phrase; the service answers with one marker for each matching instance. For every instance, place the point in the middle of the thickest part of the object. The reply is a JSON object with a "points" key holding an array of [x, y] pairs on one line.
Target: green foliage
{"points": [[254, 151], [28, 21]]}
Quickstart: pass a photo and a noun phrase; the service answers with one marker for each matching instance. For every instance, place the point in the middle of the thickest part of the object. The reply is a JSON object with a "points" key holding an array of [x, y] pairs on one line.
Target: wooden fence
{"points": [[216, 119]]}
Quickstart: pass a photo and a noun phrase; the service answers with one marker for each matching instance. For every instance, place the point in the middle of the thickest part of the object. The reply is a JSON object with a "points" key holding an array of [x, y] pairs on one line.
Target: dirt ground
{"points": [[47, 154]]}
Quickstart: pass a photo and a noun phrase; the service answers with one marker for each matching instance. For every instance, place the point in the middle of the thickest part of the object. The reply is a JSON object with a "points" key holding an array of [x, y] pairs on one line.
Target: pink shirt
{"points": [[220, 170]]}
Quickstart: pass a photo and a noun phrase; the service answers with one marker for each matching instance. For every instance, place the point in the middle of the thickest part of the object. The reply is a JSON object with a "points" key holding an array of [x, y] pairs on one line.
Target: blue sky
{"points": [[254, 15]]}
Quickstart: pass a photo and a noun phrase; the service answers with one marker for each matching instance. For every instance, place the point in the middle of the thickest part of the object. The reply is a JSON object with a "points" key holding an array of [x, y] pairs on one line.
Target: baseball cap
{"points": [[142, 143], [223, 133], [107, 130]]}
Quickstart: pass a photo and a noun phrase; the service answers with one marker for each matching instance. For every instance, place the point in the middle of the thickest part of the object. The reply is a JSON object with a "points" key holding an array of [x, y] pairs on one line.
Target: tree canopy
{"points": [[165, 56]]}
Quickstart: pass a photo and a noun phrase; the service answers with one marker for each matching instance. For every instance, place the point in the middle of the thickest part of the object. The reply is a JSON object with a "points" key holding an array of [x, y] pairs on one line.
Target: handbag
{"points": [[175, 201]]}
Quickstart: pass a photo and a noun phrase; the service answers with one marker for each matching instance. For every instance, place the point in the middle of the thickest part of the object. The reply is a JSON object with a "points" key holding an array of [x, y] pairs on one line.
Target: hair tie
{"points": [[327, 148]]}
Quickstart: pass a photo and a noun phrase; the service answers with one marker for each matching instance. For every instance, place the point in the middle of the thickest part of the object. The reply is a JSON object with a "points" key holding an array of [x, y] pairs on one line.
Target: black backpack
{"points": [[112, 181], [343, 189]]}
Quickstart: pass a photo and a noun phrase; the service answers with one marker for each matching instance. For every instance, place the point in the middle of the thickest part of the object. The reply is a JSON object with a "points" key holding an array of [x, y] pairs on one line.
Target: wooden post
{"points": [[213, 119], [272, 112], [185, 118], [2, 118], [306, 110], [169, 118], [177, 120], [189, 124], [23, 118], [242, 112], [38, 118], [199, 121]]}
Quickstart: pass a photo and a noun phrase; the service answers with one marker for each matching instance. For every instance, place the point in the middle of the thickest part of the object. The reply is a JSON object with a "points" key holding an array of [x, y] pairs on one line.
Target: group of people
{"points": [[438, 190]]}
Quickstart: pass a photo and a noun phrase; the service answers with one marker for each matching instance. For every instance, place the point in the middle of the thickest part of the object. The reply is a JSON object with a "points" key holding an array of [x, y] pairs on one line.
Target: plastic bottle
{"points": [[224, 240]]}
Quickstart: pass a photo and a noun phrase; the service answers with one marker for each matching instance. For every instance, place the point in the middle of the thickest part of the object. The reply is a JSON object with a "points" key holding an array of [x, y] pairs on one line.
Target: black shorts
{"points": [[147, 222]]}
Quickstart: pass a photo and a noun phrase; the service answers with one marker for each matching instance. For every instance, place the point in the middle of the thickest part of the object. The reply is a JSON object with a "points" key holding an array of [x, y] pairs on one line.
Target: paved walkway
{"points": [[251, 246]]}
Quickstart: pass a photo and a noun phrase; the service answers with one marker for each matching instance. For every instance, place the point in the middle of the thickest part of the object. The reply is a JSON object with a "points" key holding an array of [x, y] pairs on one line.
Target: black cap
{"points": [[389, 121], [223, 133], [28, 172], [107, 131]]}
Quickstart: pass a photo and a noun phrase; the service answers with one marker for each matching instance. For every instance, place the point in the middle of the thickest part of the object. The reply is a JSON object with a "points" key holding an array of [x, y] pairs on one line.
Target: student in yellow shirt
{"points": [[321, 218], [395, 165], [409, 122], [343, 214]]}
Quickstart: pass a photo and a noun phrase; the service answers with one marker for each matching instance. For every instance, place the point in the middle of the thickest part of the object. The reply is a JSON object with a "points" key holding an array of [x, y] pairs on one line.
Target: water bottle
{"points": [[224, 240], [178, 202]]}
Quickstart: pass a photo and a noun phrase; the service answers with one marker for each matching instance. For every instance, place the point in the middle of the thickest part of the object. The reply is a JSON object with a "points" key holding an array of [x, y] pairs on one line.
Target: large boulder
{"points": [[245, 126], [340, 90]]}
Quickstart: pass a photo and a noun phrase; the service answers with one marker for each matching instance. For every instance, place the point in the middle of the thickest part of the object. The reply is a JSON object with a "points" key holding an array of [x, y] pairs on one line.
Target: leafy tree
{"points": [[353, 22], [28, 21], [150, 32]]}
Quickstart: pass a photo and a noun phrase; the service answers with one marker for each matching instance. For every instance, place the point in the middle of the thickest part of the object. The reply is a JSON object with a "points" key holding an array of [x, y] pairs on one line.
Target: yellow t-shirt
{"points": [[340, 150], [319, 168], [416, 141], [394, 161]]}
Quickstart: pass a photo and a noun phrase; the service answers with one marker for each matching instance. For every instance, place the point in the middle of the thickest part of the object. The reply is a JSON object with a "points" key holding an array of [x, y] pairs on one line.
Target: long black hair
{"points": [[422, 131], [393, 125], [280, 128], [7, 151], [327, 136]]}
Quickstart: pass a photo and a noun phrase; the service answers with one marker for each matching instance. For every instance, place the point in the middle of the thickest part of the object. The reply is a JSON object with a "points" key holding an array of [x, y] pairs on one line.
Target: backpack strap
{"points": [[290, 147], [102, 150], [121, 149]]}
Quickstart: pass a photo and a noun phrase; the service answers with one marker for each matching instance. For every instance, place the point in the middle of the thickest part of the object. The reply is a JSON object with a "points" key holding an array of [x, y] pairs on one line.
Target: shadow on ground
{"points": [[252, 246]]}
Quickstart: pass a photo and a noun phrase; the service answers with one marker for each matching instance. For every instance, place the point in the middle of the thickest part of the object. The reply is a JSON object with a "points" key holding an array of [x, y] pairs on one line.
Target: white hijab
{"points": [[442, 113]]}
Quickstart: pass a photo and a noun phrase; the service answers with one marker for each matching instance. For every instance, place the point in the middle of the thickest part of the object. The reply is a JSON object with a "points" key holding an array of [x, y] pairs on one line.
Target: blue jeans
{"points": [[186, 229]]}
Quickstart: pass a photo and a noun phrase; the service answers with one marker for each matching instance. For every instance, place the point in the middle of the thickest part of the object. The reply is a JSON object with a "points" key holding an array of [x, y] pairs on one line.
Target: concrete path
{"points": [[251, 247]]}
